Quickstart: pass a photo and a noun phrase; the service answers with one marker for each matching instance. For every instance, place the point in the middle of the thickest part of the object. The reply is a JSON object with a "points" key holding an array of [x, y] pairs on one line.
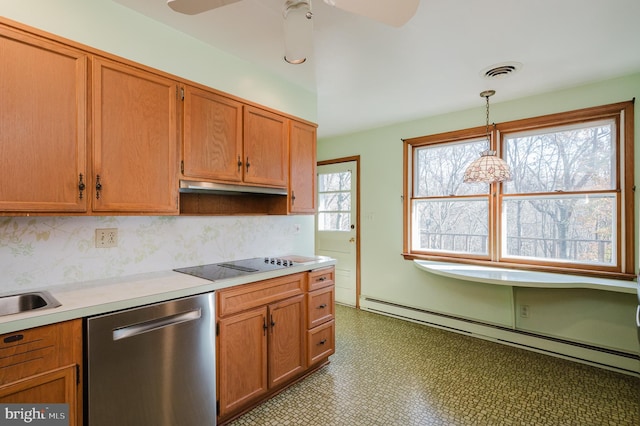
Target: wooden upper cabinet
{"points": [[212, 132], [134, 140], [265, 147], [302, 168], [43, 103], [86, 132]]}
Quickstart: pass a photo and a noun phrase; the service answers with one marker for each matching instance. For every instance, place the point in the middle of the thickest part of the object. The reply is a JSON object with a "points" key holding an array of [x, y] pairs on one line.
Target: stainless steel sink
{"points": [[27, 302]]}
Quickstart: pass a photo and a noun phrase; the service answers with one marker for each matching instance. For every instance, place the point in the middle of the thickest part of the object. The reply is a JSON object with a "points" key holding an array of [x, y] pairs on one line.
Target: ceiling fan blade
{"points": [[193, 7], [395, 13]]}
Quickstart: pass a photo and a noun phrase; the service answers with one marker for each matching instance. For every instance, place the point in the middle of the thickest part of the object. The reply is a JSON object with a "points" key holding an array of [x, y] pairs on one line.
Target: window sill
{"points": [[518, 278]]}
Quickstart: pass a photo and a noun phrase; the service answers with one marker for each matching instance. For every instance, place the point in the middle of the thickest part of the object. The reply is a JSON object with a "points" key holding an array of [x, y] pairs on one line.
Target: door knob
{"points": [[351, 240]]}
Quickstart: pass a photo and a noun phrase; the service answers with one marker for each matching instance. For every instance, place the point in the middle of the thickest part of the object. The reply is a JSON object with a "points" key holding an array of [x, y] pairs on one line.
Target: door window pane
{"points": [[334, 201], [334, 221], [334, 182]]}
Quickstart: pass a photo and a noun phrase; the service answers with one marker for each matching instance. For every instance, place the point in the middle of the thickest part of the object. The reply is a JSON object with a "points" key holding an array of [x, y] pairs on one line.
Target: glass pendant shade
{"points": [[488, 168]]}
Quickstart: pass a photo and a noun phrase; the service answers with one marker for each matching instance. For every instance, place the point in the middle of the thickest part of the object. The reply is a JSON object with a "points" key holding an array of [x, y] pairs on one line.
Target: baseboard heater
{"points": [[590, 354]]}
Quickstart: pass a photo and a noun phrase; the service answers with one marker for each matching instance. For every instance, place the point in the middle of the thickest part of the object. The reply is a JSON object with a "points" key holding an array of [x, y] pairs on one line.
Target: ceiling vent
{"points": [[501, 70]]}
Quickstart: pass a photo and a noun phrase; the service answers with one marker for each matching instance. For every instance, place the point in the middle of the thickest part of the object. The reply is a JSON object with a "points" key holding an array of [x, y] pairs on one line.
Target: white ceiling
{"points": [[367, 74]]}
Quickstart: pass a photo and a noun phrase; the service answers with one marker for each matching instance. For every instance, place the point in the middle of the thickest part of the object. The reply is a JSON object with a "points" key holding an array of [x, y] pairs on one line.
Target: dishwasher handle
{"points": [[156, 324]]}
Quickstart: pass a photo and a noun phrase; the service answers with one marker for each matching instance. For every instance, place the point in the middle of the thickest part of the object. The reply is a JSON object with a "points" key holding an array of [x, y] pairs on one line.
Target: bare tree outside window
{"points": [[442, 220], [334, 201], [540, 221]]}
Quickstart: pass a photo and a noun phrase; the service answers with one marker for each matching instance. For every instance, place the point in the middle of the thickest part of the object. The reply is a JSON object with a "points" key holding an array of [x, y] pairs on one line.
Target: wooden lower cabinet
{"points": [[53, 387], [320, 315], [286, 340], [262, 340], [242, 356], [43, 365]]}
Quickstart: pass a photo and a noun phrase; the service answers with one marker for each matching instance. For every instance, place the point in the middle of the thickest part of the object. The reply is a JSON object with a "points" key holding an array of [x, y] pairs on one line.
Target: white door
{"points": [[336, 225]]}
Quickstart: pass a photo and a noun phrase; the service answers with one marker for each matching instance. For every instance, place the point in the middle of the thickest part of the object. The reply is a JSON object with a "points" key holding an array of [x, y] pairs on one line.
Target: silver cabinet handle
{"points": [[143, 327]]}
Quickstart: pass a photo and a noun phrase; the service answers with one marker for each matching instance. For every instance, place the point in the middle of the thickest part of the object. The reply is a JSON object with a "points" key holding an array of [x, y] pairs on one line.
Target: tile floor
{"points": [[392, 372]]}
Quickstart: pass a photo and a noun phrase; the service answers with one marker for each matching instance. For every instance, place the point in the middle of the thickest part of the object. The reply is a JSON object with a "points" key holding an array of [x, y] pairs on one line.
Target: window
{"points": [[568, 207], [334, 201]]}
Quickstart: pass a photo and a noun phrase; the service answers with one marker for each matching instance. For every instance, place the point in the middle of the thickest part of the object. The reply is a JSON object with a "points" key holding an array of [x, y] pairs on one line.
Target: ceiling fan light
{"points": [[294, 61], [298, 31], [394, 13], [194, 7]]}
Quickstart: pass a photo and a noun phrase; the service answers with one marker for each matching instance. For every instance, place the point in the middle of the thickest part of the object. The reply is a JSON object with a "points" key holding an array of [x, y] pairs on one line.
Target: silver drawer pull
{"points": [[324, 305], [143, 327], [322, 342]]}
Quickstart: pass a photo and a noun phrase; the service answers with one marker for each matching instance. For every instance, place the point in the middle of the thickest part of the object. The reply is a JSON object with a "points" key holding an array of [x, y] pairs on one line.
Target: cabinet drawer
{"points": [[320, 306], [243, 297], [321, 278], [321, 342], [36, 350]]}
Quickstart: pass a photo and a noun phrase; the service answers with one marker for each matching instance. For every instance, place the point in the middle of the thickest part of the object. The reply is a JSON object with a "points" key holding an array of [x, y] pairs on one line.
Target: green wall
{"points": [[589, 316]]}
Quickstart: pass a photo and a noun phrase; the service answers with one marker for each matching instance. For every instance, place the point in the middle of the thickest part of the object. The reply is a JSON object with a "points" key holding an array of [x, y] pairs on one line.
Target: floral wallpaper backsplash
{"points": [[41, 252]]}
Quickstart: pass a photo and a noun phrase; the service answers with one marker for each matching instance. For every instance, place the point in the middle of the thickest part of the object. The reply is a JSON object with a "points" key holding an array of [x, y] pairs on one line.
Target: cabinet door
{"points": [[212, 141], [242, 359], [287, 334], [53, 387], [134, 140], [265, 148], [42, 125], [302, 168]]}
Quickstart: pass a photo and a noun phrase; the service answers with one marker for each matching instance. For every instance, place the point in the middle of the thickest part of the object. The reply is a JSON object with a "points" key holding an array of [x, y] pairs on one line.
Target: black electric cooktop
{"points": [[236, 268]]}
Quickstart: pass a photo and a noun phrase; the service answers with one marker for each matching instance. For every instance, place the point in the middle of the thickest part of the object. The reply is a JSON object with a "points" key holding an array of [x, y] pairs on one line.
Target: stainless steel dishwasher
{"points": [[153, 365]]}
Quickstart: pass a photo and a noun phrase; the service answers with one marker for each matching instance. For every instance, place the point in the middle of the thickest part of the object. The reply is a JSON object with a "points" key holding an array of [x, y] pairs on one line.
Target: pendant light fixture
{"points": [[489, 168]]}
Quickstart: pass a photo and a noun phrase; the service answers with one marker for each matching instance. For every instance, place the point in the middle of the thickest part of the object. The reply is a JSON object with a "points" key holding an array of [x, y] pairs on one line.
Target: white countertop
{"points": [[520, 278], [97, 297]]}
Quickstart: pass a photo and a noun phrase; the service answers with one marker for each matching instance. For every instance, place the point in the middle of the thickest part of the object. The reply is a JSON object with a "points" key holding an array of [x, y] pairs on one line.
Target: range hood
{"points": [[190, 186]]}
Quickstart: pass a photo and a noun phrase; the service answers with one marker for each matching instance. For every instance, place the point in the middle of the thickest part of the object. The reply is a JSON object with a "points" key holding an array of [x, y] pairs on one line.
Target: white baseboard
{"points": [[586, 354]]}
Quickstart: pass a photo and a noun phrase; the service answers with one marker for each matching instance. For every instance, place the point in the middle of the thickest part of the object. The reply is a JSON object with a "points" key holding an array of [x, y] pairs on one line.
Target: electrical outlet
{"points": [[106, 237], [524, 311]]}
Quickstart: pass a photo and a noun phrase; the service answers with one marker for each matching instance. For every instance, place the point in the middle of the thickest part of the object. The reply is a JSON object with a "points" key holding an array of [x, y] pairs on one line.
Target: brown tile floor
{"points": [[392, 372]]}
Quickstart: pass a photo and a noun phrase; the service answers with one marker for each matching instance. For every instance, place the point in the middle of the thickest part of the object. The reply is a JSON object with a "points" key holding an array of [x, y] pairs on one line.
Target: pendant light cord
{"points": [[487, 128]]}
